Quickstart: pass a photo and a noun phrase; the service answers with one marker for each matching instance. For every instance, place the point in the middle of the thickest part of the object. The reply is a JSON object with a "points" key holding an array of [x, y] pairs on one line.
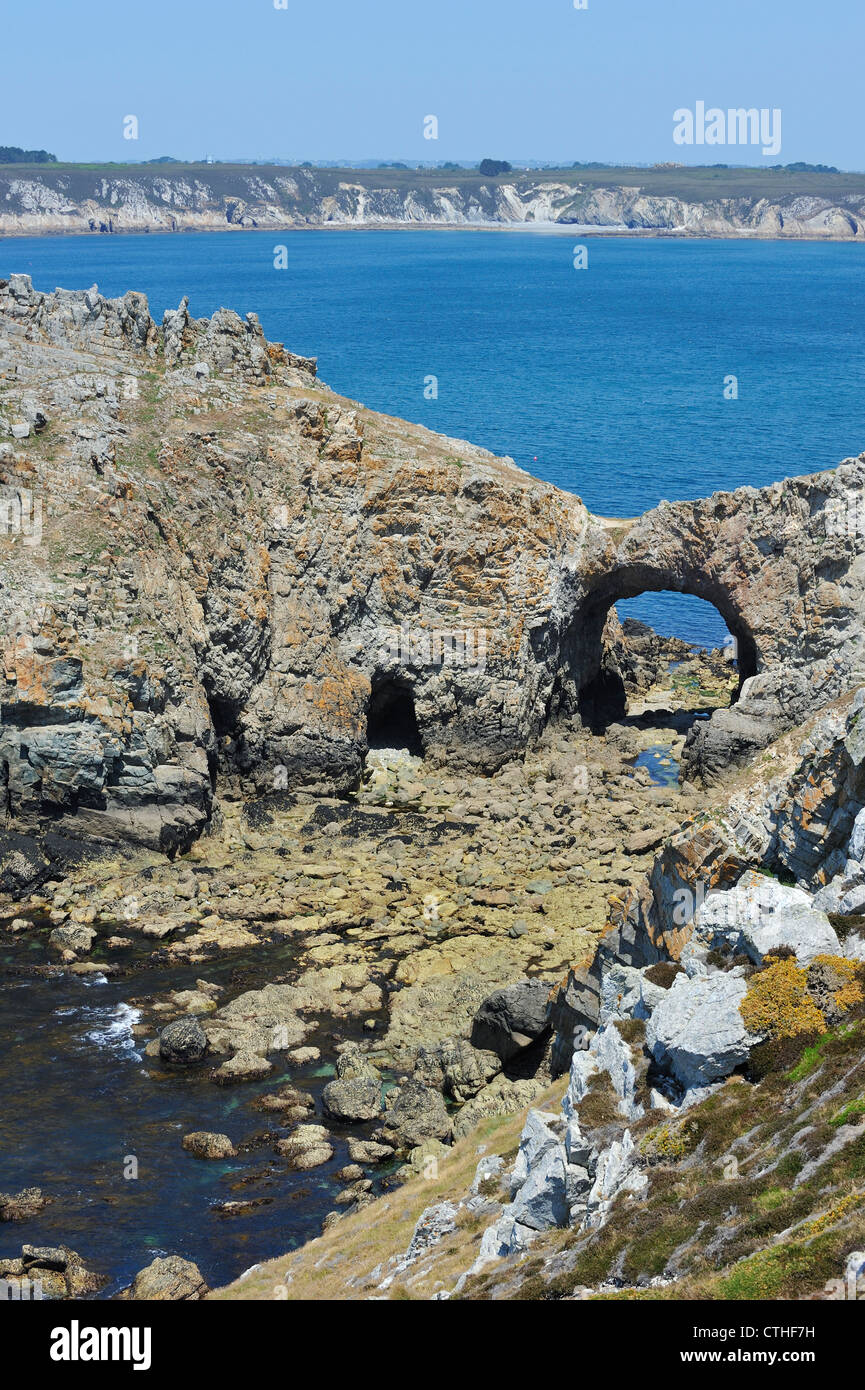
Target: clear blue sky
{"points": [[513, 79]]}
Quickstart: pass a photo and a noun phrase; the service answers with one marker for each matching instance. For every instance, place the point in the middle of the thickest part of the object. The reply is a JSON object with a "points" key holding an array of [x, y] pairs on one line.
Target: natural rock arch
{"points": [[262, 573], [598, 686]]}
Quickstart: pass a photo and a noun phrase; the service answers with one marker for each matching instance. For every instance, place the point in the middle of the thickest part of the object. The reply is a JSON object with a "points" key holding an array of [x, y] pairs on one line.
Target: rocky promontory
{"points": [[219, 573]]}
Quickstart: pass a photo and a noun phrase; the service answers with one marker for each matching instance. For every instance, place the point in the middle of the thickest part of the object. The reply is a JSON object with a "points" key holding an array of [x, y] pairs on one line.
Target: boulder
{"points": [[536, 1139], [456, 1068], [169, 1278], [182, 1042], [551, 1191], [59, 1271], [243, 1066], [75, 938], [760, 914], [415, 1113], [287, 1101], [352, 1065], [202, 1144], [512, 1019], [697, 1033], [308, 1147], [367, 1151], [356, 1099]]}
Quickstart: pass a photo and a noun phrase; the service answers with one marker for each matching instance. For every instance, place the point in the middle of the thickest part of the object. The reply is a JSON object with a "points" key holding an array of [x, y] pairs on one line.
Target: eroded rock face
{"points": [[795, 815], [215, 568]]}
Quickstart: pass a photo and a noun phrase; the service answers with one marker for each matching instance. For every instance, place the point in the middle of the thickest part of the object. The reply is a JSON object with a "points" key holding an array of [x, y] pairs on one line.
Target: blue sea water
{"points": [[608, 381]]}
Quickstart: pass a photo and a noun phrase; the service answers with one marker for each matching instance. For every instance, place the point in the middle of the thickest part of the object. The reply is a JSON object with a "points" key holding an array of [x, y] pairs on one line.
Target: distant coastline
{"points": [[63, 200]]}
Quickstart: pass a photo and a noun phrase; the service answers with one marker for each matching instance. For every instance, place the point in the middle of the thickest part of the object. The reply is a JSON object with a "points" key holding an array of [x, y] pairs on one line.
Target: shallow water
{"points": [[662, 767], [80, 1100]]}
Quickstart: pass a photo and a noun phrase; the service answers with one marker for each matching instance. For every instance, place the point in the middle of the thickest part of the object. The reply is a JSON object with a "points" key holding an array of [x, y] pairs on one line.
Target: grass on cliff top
{"points": [[337, 1265], [690, 182]]}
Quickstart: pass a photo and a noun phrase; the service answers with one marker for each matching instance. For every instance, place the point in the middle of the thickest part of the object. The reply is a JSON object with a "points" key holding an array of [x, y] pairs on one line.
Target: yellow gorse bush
{"points": [[848, 991], [778, 1002]]}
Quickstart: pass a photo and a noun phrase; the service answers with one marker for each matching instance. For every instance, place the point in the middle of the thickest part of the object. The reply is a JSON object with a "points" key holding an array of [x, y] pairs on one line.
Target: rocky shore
{"points": [[564, 912], [706, 1139]]}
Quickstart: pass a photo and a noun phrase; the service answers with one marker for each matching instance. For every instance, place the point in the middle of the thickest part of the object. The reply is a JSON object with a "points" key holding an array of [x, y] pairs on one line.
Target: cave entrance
{"points": [[391, 718]]}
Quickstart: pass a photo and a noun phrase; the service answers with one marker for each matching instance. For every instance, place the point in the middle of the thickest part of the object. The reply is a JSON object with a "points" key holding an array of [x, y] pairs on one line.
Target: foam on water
{"points": [[111, 1028]]}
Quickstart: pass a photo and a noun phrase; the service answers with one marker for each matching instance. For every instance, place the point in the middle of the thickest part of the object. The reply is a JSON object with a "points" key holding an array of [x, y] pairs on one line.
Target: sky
{"points": [[509, 79]]}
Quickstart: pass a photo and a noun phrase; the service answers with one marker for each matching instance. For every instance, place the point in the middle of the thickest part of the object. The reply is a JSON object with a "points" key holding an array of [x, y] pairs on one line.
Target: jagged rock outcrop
{"points": [[213, 198], [215, 568], [760, 915], [795, 815], [663, 1037]]}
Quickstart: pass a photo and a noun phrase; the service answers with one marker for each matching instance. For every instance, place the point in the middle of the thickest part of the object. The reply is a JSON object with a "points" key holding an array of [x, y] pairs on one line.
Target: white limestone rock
{"points": [[697, 1032]]}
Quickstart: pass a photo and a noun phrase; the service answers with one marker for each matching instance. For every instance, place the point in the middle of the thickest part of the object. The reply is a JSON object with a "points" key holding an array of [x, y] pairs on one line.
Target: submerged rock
{"points": [[20, 1206]]}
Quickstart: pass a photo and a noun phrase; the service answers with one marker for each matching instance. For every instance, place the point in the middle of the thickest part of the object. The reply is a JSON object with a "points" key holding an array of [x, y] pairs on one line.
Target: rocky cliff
{"points": [[706, 1138], [215, 568], [213, 198]]}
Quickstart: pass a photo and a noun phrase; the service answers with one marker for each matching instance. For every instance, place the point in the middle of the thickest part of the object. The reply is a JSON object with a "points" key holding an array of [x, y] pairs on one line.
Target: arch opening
{"points": [[391, 716], [657, 653]]}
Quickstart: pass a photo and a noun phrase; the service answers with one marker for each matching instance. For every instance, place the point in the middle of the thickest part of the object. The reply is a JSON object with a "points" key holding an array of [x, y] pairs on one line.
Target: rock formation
{"points": [[214, 567]]}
